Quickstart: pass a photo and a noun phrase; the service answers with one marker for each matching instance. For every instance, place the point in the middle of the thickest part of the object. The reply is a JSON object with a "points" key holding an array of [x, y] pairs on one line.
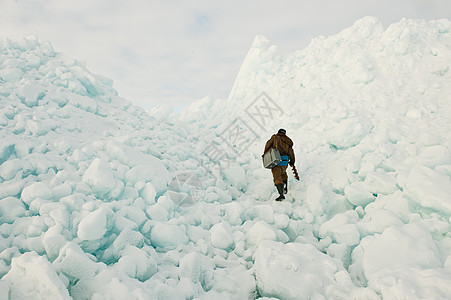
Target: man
{"points": [[284, 144]]}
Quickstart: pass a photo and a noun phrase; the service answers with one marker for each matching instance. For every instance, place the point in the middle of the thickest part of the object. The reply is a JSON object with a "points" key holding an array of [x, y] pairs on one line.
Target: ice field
{"points": [[100, 199]]}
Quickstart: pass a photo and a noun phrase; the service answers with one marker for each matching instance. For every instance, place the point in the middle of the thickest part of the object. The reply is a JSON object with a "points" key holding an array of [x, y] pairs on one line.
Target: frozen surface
{"points": [[102, 200]]}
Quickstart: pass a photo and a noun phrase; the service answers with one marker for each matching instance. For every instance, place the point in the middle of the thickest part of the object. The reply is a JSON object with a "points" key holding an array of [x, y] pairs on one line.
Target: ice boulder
{"points": [[88, 81], [315, 199], [100, 176], [144, 167], [83, 102], [262, 212], [156, 173], [221, 236], [157, 212], [36, 190], [134, 214], [10, 209], [403, 260], [6, 149], [33, 277], [198, 269], [10, 74], [412, 282], [33, 61], [299, 271], [10, 168], [15, 63], [260, 231], [236, 281], [31, 93], [53, 241], [95, 225], [433, 156], [136, 263], [408, 245], [149, 193], [348, 132], [380, 183], [378, 220], [429, 188], [168, 236], [107, 285], [358, 195], [342, 228], [236, 176], [127, 237], [74, 263]]}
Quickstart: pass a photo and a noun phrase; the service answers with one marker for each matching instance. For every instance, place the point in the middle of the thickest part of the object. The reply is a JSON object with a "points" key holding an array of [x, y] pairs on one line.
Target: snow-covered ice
{"points": [[102, 200]]}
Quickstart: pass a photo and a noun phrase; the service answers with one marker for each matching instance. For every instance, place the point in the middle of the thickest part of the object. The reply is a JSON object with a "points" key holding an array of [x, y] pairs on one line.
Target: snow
{"points": [[36, 190], [102, 200], [299, 271], [94, 225], [33, 276], [221, 236], [168, 236], [429, 188]]}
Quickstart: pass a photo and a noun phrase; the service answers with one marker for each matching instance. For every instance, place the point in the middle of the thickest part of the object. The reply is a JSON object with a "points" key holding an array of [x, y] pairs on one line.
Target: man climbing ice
{"points": [[284, 145]]}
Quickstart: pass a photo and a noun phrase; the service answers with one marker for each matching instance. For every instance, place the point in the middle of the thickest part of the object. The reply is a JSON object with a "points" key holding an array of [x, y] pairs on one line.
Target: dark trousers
{"points": [[279, 173]]}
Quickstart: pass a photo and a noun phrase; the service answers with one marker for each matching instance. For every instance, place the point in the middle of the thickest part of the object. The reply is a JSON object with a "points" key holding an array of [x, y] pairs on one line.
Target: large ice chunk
{"points": [[33, 277], [94, 225], [167, 236], [73, 262], [358, 195], [136, 263], [36, 190], [10, 209], [298, 271], [100, 176], [221, 236], [198, 268], [342, 228], [260, 231], [31, 93], [236, 176], [144, 167], [409, 257], [429, 188], [348, 132], [399, 247], [11, 74], [83, 102]]}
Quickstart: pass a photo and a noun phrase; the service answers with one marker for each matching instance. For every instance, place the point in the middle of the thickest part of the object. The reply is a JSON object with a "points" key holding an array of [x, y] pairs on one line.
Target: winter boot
{"points": [[280, 190], [285, 187]]}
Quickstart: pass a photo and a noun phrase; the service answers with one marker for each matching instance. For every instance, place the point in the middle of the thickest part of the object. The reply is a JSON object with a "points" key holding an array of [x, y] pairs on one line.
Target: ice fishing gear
{"points": [[295, 172], [271, 158]]}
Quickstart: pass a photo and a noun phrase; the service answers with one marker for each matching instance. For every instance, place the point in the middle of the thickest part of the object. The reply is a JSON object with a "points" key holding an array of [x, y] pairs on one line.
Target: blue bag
{"points": [[284, 161]]}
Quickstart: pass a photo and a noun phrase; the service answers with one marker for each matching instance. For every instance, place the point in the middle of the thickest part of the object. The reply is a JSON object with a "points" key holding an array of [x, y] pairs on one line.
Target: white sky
{"points": [[174, 52]]}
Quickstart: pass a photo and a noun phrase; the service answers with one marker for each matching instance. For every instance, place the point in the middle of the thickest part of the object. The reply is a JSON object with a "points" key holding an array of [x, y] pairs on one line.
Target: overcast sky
{"points": [[174, 52]]}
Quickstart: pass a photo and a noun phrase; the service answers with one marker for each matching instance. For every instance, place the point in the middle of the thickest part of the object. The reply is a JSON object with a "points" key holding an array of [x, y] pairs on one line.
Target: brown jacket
{"points": [[282, 143]]}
